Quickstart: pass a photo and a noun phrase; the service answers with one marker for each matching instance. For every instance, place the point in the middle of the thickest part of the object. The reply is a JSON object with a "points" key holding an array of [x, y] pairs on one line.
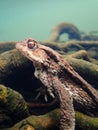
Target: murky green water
{"points": [[20, 19]]}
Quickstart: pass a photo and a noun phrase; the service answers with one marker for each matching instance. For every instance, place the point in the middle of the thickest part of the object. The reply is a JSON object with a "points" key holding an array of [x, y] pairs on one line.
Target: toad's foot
{"points": [[44, 92]]}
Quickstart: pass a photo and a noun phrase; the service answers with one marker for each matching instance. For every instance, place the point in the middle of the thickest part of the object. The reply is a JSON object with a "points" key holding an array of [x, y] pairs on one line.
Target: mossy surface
{"points": [[84, 122], [47, 121], [3, 94], [10, 62], [12, 105], [5, 46], [50, 121], [88, 70]]}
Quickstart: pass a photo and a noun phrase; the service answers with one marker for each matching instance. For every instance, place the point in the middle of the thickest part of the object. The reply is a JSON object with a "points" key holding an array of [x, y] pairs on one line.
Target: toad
{"points": [[60, 79]]}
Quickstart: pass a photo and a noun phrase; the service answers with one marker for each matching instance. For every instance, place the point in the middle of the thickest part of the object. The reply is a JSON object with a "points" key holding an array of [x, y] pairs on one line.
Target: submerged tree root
{"points": [[5, 46], [61, 28], [51, 120]]}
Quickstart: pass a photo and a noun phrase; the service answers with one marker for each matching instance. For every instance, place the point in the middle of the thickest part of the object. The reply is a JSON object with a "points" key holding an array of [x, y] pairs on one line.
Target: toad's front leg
{"points": [[67, 112], [67, 120]]}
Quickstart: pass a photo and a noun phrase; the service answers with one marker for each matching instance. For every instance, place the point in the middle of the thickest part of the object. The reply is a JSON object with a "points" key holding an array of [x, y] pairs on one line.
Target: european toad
{"points": [[60, 78]]}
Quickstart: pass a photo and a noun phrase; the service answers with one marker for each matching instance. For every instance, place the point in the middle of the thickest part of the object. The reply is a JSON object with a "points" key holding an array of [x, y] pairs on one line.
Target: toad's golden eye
{"points": [[32, 44]]}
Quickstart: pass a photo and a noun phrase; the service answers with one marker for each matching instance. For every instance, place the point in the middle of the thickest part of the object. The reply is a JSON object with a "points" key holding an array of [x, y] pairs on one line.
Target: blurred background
{"points": [[20, 19]]}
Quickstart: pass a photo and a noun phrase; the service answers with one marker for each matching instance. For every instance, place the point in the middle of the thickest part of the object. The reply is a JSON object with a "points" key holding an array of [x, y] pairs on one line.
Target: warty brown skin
{"points": [[60, 78]]}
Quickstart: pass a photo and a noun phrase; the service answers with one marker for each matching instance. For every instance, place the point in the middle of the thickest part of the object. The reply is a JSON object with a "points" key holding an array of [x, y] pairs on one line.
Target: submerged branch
{"points": [[51, 120]]}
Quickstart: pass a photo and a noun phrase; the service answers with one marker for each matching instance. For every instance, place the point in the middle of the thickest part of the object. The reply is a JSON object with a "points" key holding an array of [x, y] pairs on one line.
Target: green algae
{"points": [[50, 121], [10, 62], [3, 94], [12, 106], [88, 70], [84, 122]]}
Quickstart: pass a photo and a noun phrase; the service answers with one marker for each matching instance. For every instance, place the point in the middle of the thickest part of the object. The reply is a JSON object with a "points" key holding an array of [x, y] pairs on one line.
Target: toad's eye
{"points": [[32, 44]]}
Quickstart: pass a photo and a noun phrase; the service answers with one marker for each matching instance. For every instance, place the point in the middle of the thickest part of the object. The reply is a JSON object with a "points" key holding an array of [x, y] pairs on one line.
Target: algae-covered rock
{"points": [[12, 107]]}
